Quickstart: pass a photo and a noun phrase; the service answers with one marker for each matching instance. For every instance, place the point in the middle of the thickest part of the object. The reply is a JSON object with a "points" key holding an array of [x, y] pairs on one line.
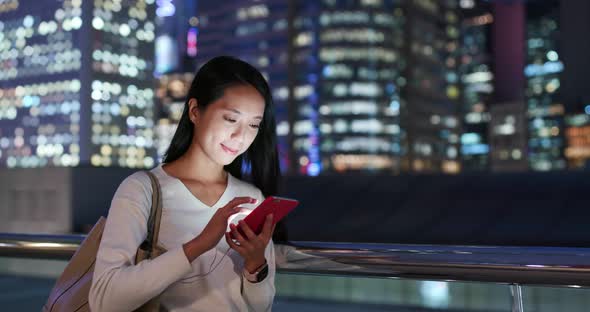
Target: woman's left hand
{"points": [[250, 246]]}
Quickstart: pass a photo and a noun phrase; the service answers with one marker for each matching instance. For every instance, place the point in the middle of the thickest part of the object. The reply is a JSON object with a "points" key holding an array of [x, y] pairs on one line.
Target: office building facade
{"points": [[76, 84]]}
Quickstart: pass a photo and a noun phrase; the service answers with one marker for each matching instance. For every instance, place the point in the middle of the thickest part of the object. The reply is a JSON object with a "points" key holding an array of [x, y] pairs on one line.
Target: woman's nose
{"points": [[239, 133]]}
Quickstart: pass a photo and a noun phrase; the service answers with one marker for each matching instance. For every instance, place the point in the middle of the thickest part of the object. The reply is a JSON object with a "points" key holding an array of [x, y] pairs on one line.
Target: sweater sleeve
{"points": [[259, 296], [118, 284]]}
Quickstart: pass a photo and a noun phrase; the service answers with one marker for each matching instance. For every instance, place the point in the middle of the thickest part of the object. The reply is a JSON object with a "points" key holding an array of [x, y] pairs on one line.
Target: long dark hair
{"points": [[261, 158]]}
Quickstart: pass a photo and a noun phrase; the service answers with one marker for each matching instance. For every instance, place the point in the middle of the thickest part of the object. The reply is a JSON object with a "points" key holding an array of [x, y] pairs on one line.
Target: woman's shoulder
{"points": [[137, 178], [141, 179], [134, 184]]}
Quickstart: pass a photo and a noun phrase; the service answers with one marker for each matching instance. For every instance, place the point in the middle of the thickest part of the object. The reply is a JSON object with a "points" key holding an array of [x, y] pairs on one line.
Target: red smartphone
{"points": [[278, 206]]}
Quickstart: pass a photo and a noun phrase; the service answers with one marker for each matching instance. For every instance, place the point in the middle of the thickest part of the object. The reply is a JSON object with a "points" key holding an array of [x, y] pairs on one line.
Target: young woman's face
{"points": [[228, 126]]}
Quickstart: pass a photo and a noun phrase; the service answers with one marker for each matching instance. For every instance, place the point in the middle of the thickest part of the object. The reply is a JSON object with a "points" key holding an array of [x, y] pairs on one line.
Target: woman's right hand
{"points": [[215, 229]]}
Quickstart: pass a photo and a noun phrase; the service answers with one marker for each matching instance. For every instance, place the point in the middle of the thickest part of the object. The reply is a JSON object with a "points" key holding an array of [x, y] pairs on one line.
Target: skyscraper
{"points": [[381, 86], [508, 137], [432, 96], [348, 63], [543, 75], [574, 90], [76, 83], [477, 81], [577, 134]]}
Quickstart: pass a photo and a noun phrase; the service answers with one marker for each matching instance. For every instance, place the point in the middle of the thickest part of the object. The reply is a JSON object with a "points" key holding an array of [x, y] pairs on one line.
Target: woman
{"points": [[228, 120]]}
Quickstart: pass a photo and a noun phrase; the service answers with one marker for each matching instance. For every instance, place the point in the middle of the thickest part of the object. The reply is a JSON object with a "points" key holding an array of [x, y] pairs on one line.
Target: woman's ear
{"points": [[193, 110]]}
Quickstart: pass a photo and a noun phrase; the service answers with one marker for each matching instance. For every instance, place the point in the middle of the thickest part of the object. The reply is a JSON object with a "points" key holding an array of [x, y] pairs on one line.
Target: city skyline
{"points": [[359, 86]]}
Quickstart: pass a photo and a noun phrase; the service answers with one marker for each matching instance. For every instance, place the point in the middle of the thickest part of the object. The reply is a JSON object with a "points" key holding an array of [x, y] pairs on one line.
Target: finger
{"points": [[247, 230], [233, 206], [231, 240], [239, 201], [238, 236], [229, 212], [232, 244], [237, 209], [267, 228], [244, 210]]}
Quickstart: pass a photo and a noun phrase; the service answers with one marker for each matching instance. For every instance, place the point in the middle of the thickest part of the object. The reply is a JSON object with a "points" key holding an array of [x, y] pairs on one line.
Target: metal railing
{"points": [[515, 266]]}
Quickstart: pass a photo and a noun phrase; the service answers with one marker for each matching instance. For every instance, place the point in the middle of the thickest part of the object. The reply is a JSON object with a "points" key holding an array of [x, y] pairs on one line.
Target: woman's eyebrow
{"points": [[239, 113]]}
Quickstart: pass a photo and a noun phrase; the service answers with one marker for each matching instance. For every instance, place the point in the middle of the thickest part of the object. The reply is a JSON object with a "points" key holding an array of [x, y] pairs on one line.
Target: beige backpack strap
{"points": [[153, 225], [149, 248]]}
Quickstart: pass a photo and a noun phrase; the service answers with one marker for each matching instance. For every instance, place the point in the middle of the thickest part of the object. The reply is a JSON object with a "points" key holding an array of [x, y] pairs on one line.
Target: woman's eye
{"points": [[229, 119], [255, 126]]}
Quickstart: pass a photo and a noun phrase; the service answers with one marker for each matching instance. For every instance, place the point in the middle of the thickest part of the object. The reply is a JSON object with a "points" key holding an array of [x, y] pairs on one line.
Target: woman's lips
{"points": [[229, 150]]}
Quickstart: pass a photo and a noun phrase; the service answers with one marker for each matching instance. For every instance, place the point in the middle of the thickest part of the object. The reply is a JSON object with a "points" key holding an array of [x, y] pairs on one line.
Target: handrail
{"points": [[39, 246], [552, 266]]}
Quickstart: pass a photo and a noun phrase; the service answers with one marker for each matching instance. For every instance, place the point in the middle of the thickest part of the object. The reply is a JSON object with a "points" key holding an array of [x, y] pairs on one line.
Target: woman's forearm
{"points": [[193, 249]]}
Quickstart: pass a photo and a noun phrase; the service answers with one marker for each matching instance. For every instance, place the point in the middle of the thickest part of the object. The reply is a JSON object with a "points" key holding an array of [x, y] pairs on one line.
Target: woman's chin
{"points": [[226, 160]]}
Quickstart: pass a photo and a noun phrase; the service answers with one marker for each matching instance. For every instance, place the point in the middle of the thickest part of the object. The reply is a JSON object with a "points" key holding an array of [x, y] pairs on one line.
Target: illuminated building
{"points": [[477, 80], [574, 90], [348, 67], [370, 94], [76, 84], [543, 72], [577, 135], [508, 137], [430, 115]]}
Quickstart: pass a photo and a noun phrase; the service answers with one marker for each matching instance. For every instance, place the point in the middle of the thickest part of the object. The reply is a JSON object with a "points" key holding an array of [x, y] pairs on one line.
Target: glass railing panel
{"points": [[552, 299], [389, 294]]}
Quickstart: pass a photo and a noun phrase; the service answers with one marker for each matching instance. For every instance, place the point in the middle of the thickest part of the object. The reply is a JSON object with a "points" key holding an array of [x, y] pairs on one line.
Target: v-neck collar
{"points": [[219, 200]]}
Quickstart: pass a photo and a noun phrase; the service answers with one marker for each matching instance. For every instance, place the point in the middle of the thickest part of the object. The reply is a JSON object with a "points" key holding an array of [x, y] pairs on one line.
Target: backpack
{"points": [[71, 289]]}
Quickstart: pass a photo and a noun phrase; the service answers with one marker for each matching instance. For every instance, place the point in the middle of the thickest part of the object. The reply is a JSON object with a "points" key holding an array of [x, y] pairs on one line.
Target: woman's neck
{"points": [[196, 165]]}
